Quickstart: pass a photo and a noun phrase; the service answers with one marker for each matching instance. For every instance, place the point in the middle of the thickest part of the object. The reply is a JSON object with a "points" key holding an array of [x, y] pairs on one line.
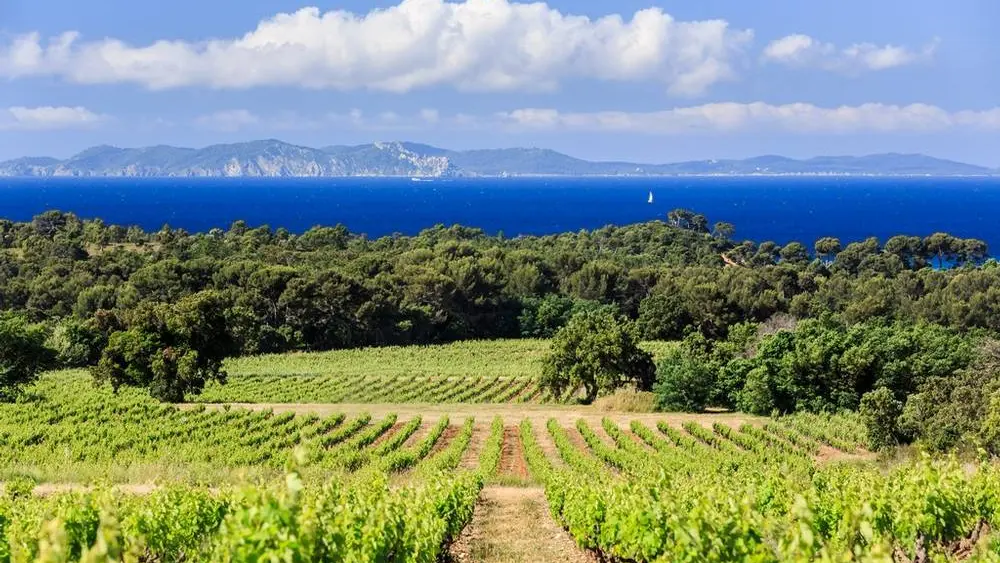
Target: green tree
{"points": [[794, 253], [909, 250], [541, 318], [767, 254], [75, 343], [598, 352], [941, 246], [723, 230], [663, 317], [169, 349], [22, 355], [880, 411], [683, 383], [687, 220], [827, 247], [959, 408]]}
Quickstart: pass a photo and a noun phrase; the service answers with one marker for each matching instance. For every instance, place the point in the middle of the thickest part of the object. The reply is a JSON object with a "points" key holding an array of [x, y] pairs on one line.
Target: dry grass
{"points": [[627, 401], [511, 525]]}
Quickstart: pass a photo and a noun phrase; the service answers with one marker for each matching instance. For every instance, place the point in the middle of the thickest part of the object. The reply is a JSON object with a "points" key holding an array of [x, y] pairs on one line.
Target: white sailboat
{"points": [[650, 200]]}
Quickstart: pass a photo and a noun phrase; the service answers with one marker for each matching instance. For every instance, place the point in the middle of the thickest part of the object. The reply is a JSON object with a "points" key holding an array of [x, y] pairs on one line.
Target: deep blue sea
{"points": [[781, 209]]}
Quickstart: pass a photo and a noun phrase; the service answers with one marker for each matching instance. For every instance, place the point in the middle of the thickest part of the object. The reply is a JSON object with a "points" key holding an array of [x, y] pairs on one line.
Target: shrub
{"points": [[683, 383], [880, 412]]}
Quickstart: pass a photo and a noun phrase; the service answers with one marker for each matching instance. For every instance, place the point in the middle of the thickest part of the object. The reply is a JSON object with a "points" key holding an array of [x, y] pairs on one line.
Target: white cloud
{"points": [[228, 120], [475, 45], [233, 120], [804, 51], [759, 116], [719, 118], [430, 115], [22, 118]]}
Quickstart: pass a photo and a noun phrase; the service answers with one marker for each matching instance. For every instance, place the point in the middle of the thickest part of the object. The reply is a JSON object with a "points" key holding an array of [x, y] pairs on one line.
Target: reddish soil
{"points": [[512, 455], [422, 431], [444, 439], [388, 433], [577, 439], [470, 459], [638, 441]]}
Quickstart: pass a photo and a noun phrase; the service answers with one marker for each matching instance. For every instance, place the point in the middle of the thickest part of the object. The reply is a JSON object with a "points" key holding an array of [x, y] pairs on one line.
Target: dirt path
{"points": [[548, 446], [577, 440], [729, 261], [511, 413], [513, 525], [422, 431], [388, 434], [603, 434], [444, 440], [827, 453], [512, 462], [470, 459]]}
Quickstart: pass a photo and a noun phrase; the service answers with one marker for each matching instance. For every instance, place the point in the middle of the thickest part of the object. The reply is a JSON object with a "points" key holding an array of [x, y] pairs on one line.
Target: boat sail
{"points": [[650, 200]]}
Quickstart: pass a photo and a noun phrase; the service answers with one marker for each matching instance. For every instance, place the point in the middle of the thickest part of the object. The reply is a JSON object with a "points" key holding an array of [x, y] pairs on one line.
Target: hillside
{"points": [[273, 158]]}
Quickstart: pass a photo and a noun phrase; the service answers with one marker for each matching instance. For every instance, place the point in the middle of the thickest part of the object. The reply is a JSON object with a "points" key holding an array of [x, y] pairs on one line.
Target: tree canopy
{"points": [[172, 350], [597, 352], [23, 354]]}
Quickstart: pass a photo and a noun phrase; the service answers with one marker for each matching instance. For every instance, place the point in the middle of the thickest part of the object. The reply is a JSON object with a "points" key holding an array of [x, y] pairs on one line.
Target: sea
{"points": [[776, 208]]}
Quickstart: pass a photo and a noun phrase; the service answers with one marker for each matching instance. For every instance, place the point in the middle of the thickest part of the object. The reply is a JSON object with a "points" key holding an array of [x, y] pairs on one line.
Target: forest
{"points": [[163, 310], [329, 288]]}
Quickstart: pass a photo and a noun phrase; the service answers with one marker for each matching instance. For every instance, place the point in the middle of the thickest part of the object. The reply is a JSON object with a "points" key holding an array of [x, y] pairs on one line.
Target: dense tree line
{"points": [[110, 294], [910, 382]]}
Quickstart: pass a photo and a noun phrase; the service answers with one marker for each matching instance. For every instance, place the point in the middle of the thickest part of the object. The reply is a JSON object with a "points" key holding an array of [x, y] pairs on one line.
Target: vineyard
{"points": [[375, 389], [498, 371], [236, 484]]}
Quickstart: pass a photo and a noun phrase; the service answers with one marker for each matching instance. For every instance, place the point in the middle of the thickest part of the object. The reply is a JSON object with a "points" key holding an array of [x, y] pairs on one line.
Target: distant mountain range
{"points": [[271, 158]]}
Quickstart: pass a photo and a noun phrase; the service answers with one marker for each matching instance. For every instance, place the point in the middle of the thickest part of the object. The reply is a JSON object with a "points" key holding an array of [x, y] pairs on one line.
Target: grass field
{"points": [[96, 476]]}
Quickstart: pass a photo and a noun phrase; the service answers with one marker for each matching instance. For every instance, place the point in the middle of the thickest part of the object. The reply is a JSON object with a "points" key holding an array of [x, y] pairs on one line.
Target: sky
{"points": [[645, 81]]}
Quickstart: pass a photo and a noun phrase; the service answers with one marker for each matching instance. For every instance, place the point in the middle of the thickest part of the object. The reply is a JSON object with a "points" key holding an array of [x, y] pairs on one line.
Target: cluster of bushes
{"points": [[910, 382]]}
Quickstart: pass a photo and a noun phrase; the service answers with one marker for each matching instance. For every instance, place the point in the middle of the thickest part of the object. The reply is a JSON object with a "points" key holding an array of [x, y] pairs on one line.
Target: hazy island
{"points": [[273, 158]]}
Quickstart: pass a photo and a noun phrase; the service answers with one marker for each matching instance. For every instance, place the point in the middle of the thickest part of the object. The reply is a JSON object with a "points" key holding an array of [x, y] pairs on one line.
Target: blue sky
{"points": [[646, 81]]}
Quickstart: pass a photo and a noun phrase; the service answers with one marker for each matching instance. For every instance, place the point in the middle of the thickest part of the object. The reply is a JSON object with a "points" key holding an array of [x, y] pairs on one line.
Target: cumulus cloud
{"points": [[489, 45], [759, 116], [20, 118], [804, 51]]}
